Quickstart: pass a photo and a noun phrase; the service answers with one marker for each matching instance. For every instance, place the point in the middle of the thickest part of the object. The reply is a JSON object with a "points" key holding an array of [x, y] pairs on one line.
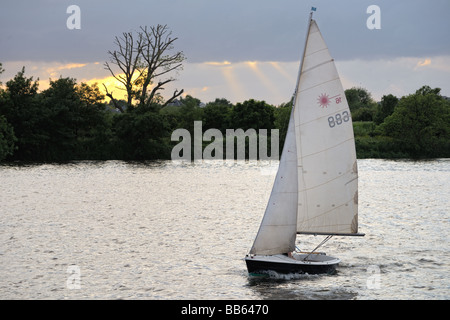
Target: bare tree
{"points": [[126, 58], [142, 60], [1, 71], [158, 61]]}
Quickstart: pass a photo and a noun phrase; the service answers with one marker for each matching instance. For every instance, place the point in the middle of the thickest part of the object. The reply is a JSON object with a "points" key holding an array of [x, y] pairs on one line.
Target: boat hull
{"points": [[315, 264]]}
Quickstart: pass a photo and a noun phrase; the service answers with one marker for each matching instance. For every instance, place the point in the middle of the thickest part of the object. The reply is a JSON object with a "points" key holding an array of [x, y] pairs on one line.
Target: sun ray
{"points": [[290, 77], [236, 88], [268, 84]]}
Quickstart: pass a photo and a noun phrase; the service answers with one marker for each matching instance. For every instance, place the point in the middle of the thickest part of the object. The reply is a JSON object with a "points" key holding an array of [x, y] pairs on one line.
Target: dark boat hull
{"points": [[285, 265]]}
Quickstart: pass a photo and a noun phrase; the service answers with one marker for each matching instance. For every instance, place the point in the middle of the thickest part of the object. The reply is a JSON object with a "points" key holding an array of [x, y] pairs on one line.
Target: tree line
{"points": [[71, 121], [413, 126]]}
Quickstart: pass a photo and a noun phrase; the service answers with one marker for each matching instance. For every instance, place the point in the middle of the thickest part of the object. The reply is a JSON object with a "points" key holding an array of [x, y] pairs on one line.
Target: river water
{"points": [[117, 230]]}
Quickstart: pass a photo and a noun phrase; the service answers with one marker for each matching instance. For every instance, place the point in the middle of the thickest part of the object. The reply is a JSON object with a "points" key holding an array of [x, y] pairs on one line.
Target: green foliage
{"points": [[93, 127], [361, 104], [378, 147], [64, 122], [20, 106], [415, 126], [252, 114], [282, 114], [385, 108], [70, 121], [189, 112], [140, 136], [420, 124], [217, 115], [7, 138], [370, 144], [358, 98]]}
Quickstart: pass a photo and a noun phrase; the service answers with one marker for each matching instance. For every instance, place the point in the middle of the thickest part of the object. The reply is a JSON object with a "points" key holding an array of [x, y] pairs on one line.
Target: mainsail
{"points": [[316, 186]]}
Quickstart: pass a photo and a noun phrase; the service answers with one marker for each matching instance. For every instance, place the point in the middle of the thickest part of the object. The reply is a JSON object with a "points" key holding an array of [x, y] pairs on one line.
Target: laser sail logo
{"points": [[324, 100]]}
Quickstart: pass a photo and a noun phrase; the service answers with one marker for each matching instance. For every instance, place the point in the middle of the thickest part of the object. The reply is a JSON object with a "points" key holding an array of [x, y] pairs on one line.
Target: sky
{"points": [[236, 49]]}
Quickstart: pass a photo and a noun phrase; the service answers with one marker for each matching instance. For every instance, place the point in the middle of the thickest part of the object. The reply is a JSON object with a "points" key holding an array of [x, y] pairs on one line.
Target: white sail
{"points": [[316, 187], [279, 225], [327, 169]]}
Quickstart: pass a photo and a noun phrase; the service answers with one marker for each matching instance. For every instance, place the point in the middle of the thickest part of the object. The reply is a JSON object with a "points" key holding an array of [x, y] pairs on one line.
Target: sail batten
{"points": [[323, 49], [320, 84], [316, 186], [316, 66], [330, 148], [333, 234]]}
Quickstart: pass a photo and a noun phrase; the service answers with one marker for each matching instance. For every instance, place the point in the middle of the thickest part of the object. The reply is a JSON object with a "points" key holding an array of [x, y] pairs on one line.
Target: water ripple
{"points": [[180, 231]]}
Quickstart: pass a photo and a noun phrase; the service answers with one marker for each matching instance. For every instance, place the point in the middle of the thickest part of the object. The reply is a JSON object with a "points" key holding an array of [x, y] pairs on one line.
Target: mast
{"points": [[301, 61]]}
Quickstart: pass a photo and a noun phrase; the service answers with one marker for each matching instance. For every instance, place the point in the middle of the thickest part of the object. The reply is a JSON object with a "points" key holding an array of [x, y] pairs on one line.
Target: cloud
{"points": [[424, 63], [270, 81], [54, 71], [399, 76], [46, 71], [441, 64], [72, 66], [224, 30], [219, 64]]}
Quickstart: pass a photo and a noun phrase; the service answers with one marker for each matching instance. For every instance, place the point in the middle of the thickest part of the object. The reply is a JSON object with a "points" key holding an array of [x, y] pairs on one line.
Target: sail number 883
{"points": [[338, 119]]}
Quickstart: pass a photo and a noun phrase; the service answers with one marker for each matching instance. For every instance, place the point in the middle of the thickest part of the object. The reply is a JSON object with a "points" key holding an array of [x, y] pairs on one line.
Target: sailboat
{"points": [[315, 190]]}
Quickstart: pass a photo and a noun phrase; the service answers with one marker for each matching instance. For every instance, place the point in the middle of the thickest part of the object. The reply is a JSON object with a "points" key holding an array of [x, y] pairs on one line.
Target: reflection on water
{"points": [[292, 287], [180, 231]]}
